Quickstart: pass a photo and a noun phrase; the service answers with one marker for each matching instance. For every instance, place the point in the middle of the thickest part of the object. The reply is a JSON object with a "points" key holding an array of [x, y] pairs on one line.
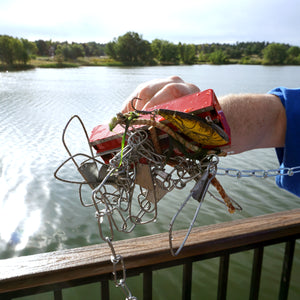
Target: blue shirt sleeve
{"points": [[289, 156]]}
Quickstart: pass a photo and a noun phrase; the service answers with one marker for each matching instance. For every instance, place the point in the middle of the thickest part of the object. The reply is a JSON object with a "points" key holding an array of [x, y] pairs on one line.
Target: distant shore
{"points": [[48, 62], [132, 50], [103, 61]]}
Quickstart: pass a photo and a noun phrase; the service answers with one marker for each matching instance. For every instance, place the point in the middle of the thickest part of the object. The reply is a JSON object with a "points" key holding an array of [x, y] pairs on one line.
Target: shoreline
{"points": [[46, 62]]}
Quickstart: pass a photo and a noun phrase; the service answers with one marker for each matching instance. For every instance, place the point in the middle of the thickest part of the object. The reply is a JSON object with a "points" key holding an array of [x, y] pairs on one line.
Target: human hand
{"points": [[158, 91]]}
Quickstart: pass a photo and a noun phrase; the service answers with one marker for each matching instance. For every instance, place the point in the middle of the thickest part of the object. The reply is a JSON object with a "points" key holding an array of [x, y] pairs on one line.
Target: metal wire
{"points": [[126, 191]]}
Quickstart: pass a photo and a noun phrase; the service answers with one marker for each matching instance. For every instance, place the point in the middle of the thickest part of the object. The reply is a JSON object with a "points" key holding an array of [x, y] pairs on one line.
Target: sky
{"points": [[185, 21]]}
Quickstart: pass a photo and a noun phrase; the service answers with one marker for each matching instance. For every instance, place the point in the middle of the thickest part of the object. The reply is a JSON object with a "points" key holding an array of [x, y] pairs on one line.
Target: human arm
{"points": [[255, 120]]}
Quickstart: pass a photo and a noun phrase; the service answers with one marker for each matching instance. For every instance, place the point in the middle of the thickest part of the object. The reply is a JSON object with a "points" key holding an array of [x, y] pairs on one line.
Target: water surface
{"points": [[40, 214]]}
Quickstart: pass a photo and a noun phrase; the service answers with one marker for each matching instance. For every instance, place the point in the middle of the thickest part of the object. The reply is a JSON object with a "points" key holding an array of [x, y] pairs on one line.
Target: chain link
{"points": [[125, 192], [113, 197], [116, 260], [258, 172]]}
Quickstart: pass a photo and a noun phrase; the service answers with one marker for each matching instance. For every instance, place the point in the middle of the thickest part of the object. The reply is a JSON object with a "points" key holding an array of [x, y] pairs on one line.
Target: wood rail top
{"points": [[61, 266]]}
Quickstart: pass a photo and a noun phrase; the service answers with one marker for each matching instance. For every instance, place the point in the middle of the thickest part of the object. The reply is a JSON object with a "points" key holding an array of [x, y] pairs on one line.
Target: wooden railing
{"points": [[60, 269]]}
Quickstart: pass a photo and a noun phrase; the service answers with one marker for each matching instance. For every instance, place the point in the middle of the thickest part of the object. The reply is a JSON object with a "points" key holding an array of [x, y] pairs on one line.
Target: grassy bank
{"points": [[48, 62], [16, 67]]}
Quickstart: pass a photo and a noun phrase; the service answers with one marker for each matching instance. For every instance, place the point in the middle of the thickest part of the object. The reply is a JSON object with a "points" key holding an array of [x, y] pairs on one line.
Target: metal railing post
{"points": [[147, 285], [187, 280], [256, 273], [223, 276], [286, 269]]}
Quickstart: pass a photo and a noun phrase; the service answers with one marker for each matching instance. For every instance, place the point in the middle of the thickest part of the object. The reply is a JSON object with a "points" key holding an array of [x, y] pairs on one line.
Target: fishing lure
{"points": [[201, 130], [196, 128], [124, 119]]}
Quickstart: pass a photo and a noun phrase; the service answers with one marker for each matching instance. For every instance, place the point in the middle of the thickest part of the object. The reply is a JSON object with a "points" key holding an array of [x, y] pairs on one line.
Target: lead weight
{"points": [[144, 177]]}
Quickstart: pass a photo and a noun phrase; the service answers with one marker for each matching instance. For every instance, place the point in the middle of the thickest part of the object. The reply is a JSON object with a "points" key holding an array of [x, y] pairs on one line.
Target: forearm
{"points": [[255, 120]]}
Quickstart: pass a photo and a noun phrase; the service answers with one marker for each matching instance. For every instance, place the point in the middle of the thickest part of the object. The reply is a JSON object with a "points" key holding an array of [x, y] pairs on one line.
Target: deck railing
{"points": [[61, 269]]}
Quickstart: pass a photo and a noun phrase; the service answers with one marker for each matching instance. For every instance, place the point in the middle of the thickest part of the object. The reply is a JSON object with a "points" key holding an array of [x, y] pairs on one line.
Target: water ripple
{"points": [[38, 213]]}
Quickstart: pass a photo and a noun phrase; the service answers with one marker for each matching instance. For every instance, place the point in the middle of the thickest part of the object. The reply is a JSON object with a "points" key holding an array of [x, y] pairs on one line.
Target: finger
{"points": [[171, 92], [146, 91]]}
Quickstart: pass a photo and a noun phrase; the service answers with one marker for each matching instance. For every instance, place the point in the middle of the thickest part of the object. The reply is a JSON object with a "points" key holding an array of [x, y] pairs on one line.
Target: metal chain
{"points": [[123, 174], [258, 173], [125, 192], [116, 260]]}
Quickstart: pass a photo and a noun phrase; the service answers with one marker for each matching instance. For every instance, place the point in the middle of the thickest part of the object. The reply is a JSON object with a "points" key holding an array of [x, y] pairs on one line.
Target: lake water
{"points": [[40, 214]]}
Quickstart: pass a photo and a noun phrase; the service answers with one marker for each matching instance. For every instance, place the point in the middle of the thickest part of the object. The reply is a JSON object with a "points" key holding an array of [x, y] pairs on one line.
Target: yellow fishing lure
{"points": [[196, 128]]}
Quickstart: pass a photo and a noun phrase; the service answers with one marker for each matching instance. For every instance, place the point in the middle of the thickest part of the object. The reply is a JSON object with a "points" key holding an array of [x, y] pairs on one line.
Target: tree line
{"points": [[21, 51], [132, 49], [13, 50]]}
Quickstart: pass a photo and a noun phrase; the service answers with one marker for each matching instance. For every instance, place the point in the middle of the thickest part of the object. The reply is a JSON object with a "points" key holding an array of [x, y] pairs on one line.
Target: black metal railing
{"points": [[69, 268]]}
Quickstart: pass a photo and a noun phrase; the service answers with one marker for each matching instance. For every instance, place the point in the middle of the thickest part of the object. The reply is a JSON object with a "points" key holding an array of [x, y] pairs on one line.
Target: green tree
{"points": [[202, 57], [19, 53], [93, 49], [71, 52], [30, 49], [165, 52], [130, 48], [110, 49], [59, 57], [275, 54], [293, 51], [145, 53], [66, 51], [293, 55], [13, 50], [6, 50], [232, 51], [218, 57], [156, 46], [43, 47], [187, 53], [76, 50], [127, 47]]}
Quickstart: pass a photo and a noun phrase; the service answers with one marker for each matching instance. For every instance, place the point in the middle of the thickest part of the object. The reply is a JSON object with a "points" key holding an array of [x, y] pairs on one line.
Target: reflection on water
{"points": [[38, 213]]}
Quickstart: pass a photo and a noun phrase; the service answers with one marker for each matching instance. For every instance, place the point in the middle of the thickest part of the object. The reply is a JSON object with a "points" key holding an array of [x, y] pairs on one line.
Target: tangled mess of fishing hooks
{"points": [[152, 160], [126, 191]]}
